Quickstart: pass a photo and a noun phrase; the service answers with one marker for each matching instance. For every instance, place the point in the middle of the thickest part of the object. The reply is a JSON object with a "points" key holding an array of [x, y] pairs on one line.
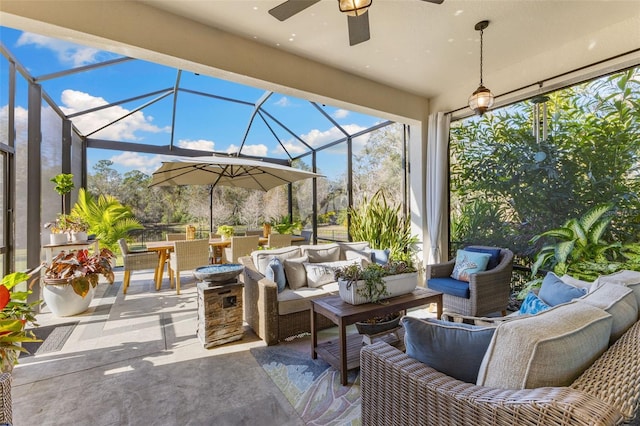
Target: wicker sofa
{"points": [[400, 390], [275, 315]]}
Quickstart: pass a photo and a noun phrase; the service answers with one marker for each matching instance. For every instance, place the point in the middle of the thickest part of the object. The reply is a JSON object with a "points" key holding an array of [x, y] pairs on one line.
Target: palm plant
{"points": [[108, 219], [383, 226]]}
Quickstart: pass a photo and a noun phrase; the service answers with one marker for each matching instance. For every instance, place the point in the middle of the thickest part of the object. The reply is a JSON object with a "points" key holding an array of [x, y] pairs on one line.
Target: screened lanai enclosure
{"points": [[111, 122], [551, 148]]}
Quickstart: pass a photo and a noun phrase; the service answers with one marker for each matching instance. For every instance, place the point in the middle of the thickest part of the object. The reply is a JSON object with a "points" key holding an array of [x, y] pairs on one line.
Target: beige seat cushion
{"points": [[619, 301], [321, 252], [290, 301], [551, 348]]}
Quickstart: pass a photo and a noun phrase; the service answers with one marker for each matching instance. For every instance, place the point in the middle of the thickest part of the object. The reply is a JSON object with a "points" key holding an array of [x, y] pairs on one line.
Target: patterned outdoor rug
{"points": [[53, 339], [311, 385]]}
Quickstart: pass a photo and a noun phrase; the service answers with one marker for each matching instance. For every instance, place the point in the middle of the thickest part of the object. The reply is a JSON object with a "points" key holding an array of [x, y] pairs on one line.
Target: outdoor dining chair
{"points": [[241, 246], [136, 261], [279, 240], [187, 256], [176, 237]]}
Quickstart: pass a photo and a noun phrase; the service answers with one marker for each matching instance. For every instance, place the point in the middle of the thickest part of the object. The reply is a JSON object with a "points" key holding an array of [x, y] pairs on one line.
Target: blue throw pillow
{"points": [[275, 272], [381, 257], [532, 305], [467, 263], [494, 260], [454, 349], [555, 292]]}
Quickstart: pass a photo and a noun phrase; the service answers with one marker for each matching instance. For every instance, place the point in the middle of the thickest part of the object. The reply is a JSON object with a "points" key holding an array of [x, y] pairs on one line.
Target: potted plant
{"points": [[59, 229], [375, 282], [71, 277], [284, 225], [225, 231], [63, 186], [15, 314]]}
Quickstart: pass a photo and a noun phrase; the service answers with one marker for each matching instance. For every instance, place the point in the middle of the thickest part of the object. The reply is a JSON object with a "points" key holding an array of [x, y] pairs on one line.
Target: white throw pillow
{"points": [[295, 272], [319, 274]]}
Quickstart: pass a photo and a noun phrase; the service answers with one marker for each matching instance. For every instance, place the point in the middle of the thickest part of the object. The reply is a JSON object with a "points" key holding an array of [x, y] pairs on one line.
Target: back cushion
{"points": [[451, 348], [551, 348], [628, 278], [321, 252], [261, 258], [617, 300], [357, 247]]}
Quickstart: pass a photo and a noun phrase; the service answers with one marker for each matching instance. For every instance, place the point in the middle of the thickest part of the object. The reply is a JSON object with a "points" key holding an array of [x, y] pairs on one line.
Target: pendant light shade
{"points": [[482, 99], [354, 7]]}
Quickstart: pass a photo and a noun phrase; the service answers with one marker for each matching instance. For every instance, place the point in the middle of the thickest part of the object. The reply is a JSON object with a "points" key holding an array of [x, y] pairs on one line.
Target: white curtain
{"points": [[437, 172]]}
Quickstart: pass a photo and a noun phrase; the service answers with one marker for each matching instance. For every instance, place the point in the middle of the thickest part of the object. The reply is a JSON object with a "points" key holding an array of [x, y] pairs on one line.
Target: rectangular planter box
{"points": [[396, 285]]}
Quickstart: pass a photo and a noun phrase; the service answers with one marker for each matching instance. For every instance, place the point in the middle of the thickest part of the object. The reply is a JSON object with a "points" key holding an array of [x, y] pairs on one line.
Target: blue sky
{"points": [[201, 122]]}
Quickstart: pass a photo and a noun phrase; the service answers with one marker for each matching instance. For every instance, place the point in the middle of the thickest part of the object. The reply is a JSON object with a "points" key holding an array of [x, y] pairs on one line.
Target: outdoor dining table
{"points": [[165, 247]]}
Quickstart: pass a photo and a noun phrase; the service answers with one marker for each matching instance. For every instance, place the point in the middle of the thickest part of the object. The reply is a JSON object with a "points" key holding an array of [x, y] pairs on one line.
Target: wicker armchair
{"points": [[136, 261], [241, 246], [399, 390], [488, 290], [187, 255], [279, 240]]}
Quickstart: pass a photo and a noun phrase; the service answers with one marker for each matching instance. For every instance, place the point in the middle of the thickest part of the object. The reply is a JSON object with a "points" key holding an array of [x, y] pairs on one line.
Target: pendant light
{"points": [[354, 7], [482, 99]]}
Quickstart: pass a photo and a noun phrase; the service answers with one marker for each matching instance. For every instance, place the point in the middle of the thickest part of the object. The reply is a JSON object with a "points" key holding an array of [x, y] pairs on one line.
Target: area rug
{"points": [[311, 385], [53, 339]]}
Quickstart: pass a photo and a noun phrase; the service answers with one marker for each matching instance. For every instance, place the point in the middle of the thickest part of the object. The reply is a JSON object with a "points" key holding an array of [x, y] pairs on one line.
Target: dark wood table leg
{"points": [[314, 333], [343, 352], [439, 307]]}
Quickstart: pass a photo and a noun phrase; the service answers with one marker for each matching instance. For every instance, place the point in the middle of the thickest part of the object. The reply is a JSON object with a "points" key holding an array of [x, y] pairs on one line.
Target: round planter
{"points": [[58, 238], [62, 300], [372, 328]]}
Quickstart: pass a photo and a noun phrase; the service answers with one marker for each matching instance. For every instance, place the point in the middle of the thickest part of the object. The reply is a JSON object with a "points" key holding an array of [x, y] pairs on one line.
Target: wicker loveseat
{"points": [[275, 315], [400, 390]]}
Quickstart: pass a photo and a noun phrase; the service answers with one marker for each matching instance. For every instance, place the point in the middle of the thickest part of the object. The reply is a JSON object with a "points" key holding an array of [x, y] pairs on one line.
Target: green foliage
{"points": [[107, 218], [375, 287], [284, 225], [383, 226], [64, 183], [591, 157], [579, 249], [225, 231]]}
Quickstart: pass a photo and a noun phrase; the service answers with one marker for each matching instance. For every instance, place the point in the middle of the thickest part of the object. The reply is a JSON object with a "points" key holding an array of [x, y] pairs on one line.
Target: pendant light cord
{"points": [[481, 31]]}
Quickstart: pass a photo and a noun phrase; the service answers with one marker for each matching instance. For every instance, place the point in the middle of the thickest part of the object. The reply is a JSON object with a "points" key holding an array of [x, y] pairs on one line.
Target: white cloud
{"points": [[68, 53], [340, 113], [317, 138], [283, 102], [134, 160], [200, 144], [75, 101], [258, 150]]}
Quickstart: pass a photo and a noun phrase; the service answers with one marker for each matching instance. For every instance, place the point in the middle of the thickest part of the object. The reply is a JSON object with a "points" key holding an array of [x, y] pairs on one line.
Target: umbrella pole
{"points": [[210, 209]]}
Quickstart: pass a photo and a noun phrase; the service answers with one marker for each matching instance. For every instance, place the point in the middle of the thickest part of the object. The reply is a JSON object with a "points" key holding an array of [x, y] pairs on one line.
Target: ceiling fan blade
{"points": [[290, 7], [434, 1], [358, 28]]}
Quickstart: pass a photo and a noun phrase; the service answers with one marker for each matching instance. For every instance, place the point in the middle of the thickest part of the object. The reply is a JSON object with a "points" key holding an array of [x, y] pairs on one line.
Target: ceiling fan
{"points": [[356, 11]]}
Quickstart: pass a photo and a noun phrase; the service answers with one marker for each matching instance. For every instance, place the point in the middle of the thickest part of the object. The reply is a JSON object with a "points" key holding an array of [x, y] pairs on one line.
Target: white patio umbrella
{"points": [[229, 171]]}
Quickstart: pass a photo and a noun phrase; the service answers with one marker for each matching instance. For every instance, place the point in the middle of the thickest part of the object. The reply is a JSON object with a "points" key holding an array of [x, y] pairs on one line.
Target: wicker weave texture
{"points": [[188, 255], [6, 412], [615, 376], [398, 390], [279, 240], [241, 246], [489, 290], [261, 308]]}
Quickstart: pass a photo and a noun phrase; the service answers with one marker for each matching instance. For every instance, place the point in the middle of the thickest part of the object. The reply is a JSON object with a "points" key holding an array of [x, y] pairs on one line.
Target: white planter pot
{"points": [[79, 237], [397, 285], [63, 301], [58, 238]]}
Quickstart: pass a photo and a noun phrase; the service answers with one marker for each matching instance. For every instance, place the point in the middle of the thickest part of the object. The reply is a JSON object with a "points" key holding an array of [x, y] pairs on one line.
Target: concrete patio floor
{"points": [[135, 359]]}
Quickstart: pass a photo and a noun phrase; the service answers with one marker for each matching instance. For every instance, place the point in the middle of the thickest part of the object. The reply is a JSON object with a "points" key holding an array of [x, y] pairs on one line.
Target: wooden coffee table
{"points": [[345, 355]]}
